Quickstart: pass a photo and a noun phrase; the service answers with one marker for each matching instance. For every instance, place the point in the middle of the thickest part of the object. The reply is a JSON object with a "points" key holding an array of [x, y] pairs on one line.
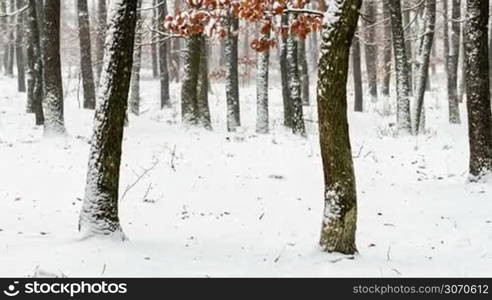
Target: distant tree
{"points": [[85, 55], [100, 36], [134, 101], [19, 45], [371, 48], [163, 61]]}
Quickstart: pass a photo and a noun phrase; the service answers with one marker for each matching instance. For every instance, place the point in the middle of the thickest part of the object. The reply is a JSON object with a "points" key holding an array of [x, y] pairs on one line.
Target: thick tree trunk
{"points": [[232, 75], [386, 51], [100, 36], [371, 49], [52, 75], [190, 80], [402, 74], [283, 73], [134, 101], [477, 87], [423, 58], [357, 75], [303, 71], [340, 212], [19, 53], [35, 71], [99, 214], [85, 55], [163, 65], [262, 72]]}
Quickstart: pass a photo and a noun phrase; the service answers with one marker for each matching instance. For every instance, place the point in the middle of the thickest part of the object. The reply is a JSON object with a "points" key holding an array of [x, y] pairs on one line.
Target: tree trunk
{"points": [[164, 70], [99, 214], [408, 45], [100, 36], [423, 58], [153, 46], [52, 75], [19, 28], [386, 51], [402, 74], [340, 212], [452, 61], [3, 40], [134, 101], [202, 88], [303, 71], [35, 71], [85, 55], [190, 80], [357, 74], [477, 87], [9, 71], [232, 76], [283, 73], [371, 49], [262, 118]]}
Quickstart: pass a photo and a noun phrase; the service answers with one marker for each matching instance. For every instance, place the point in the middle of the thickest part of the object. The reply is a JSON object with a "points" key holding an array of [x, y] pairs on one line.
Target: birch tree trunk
{"points": [[340, 212], [262, 118], [99, 214]]}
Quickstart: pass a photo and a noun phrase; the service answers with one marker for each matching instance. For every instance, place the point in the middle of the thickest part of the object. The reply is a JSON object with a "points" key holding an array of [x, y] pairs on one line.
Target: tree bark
{"points": [[163, 65], [100, 36], [85, 55], [99, 214], [262, 72], [190, 80], [19, 54], [402, 74], [52, 76], [340, 212], [477, 87], [452, 62], [371, 49], [283, 73], [303, 71], [408, 45], [423, 59], [202, 88], [357, 75], [153, 46], [134, 101], [232, 74], [35, 71], [386, 51]]}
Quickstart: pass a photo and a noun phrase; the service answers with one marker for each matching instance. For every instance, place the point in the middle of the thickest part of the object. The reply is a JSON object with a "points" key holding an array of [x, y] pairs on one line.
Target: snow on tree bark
{"points": [[371, 48], [294, 84], [340, 212], [262, 73], [163, 65], [477, 87], [190, 80], [99, 214], [357, 75], [408, 42], [232, 74], [85, 55], [403, 117], [153, 47], [52, 77], [422, 62], [35, 72], [9, 70]]}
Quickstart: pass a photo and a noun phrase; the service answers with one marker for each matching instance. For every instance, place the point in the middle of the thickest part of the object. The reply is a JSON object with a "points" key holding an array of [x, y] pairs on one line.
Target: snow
{"points": [[214, 204]]}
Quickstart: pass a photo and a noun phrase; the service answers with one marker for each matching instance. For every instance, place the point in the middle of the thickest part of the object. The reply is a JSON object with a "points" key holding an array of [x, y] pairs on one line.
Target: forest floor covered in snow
{"points": [[199, 203]]}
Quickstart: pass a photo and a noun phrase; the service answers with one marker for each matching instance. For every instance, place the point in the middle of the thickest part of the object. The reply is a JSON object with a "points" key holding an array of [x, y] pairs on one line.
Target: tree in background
{"points": [[85, 55]]}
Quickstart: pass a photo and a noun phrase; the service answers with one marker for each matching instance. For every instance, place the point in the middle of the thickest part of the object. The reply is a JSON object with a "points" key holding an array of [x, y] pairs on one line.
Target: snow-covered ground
{"points": [[215, 204]]}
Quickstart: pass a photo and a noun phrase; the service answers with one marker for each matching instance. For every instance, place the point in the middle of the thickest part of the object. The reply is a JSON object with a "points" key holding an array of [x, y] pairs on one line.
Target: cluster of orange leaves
{"points": [[207, 17]]}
